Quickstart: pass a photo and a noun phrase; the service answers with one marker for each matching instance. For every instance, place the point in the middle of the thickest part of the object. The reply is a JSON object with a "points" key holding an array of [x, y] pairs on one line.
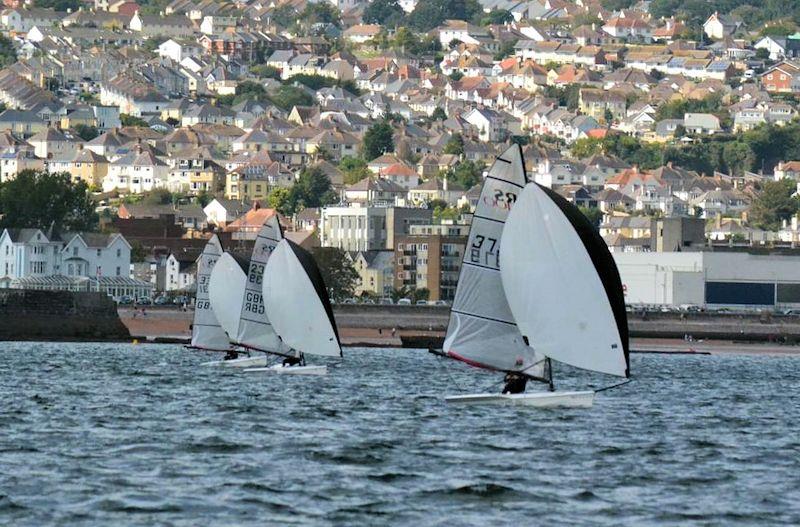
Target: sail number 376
{"points": [[485, 251]]}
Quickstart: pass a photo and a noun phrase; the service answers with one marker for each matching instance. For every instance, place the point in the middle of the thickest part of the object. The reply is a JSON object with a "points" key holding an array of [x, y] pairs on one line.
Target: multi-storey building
{"points": [[368, 228], [430, 258], [26, 253]]}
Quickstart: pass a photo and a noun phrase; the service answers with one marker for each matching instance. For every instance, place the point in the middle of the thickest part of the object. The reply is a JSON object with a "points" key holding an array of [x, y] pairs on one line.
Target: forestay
{"points": [[255, 329], [207, 333], [297, 302], [482, 330], [554, 286]]}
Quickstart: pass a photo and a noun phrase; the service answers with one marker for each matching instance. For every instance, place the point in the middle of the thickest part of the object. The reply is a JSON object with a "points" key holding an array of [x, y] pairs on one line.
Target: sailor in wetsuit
{"points": [[231, 355], [515, 383], [292, 361]]}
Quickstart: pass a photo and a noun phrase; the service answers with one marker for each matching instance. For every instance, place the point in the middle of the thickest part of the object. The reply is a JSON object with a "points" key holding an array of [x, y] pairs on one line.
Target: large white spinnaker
{"points": [[207, 333], [297, 302], [562, 285], [255, 329], [482, 331]]}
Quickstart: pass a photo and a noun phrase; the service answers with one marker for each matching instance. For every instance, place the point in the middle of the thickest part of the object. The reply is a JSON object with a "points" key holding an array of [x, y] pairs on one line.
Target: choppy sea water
{"points": [[110, 434]]}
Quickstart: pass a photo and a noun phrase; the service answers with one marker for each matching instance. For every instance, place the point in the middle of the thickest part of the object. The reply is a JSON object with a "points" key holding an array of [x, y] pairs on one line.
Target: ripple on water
{"points": [[104, 434]]}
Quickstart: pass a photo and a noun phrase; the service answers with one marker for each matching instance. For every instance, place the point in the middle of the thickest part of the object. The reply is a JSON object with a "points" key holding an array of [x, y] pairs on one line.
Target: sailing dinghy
{"points": [[236, 297], [207, 333], [537, 284], [299, 308]]}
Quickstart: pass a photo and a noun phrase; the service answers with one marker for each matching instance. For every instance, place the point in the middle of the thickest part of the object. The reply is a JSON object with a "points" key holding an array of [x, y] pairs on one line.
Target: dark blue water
{"points": [[104, 435]]}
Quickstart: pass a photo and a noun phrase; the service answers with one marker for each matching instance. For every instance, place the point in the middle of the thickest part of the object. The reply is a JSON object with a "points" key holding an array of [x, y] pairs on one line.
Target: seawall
{"points": [[424, 326], [59, 315]]}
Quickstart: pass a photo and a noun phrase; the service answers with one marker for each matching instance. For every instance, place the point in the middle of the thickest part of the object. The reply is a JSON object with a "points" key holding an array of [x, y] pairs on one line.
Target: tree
{"points": [[762, 53], [431, 13], [354, 169], [312, 189], [437, 204], [774, 204], [285, 15], [249, 90], [265, 71], [497, 17], [314, 82], [467, 173], [8, 55], [438, 114], [278, 199], [159, 196], [338, 272], [138, 252], [507, 49], [586, 147], [287, 97], [456, 76], [387, 13], [321, 13], [132, 120], [423, 293], [454, 145], [58, 5], [593, 214], [738, 157], [608, 116], [40, 199], [86, 132], [378, 140]]}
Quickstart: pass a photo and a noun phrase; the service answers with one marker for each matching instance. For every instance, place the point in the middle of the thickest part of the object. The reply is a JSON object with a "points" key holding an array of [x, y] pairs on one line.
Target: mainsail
{"points": [[482, 331], [297, 302], [207, 333], [562, 284], [255, 329], [237, 298]]}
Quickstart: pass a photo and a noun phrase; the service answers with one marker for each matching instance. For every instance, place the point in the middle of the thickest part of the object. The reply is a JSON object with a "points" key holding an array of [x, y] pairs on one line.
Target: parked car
{"points": [[162, 301], [180, 300], [125, 300], [144, 301], [386, 301], [441, 303], [404, 302], [422, 302]]}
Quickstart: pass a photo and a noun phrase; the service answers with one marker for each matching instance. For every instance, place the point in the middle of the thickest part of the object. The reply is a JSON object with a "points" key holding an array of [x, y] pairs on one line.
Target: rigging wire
{"points": [[623, 383], [447, 371]]}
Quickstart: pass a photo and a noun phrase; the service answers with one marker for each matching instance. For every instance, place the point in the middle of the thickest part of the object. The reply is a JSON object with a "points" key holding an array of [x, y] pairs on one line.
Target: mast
{"points": [[482, 331]]}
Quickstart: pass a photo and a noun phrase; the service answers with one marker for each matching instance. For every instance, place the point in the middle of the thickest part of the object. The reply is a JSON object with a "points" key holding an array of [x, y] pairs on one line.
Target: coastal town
{"points": [[368, 128]]}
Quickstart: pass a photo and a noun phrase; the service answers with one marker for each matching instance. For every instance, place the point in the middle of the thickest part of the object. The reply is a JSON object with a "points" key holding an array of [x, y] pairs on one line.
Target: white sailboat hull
{"points": [[244, 362], [280, 369], [537, 399]]}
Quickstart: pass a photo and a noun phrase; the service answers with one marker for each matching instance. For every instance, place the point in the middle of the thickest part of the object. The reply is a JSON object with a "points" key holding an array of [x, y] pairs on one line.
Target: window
{"points": [[119, 253], [98, 253], [74, 251]]}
